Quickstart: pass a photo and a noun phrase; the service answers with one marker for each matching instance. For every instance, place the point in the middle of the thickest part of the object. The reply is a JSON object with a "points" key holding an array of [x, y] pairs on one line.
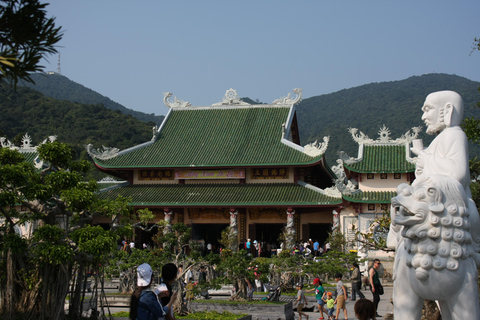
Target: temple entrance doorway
{"points": [[318, 231], [209, 232], [266, 232], [145, 237]]}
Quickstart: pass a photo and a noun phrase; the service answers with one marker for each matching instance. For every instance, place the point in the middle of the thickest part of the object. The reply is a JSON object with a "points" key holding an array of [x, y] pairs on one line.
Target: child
{"points": [[301, 301], [330, 304], [365, 310], [319, 293], [189, 287], [341, 296]]}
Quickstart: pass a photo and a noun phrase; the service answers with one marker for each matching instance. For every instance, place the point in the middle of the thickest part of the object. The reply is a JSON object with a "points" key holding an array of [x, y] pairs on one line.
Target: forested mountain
{"points": [[396, 104], [61, 88], [28, 111]]}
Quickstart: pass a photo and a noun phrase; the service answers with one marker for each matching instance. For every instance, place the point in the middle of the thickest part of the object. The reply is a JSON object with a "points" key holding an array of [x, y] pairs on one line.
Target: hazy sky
{"points": [[133, 51]]}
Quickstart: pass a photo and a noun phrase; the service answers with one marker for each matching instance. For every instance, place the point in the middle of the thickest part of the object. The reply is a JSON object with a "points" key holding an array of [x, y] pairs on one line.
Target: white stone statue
{"points": [[435, 224], [435, 259]]}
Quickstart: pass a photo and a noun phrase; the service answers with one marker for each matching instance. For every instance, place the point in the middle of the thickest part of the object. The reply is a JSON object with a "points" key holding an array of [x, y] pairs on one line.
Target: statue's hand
{"points": [[418, 152]]}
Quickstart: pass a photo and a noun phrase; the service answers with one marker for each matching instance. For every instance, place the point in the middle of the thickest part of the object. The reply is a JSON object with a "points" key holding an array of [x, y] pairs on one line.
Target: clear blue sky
{"points": [[133, 51]]}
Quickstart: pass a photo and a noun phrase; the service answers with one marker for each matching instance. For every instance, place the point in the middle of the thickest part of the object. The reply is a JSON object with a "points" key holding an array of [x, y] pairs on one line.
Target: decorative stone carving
{"points": [[168, 218], [26, 143], [435, 258], [233, 221], [6, 143], [384, 136], [290, 229], [155, 133], [231, 98], [435, 224], [289, 100], [342, 184], [316, 148], [106, 153], [49, 139], [176, 103], [336, 221]]}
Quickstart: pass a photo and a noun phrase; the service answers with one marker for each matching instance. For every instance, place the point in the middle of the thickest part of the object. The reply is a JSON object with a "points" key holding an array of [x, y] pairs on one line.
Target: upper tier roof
{"points": [[382, 159], [226, 136]]}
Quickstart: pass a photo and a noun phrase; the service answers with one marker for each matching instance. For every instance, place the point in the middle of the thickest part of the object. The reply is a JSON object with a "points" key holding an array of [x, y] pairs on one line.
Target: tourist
{"points": [[189, 288], [248, 246], [364, 310], [319, 294], [250, 289], [307, 252], [330, 302], [257, 249], [327, 247], [202, 280], [301, 301], [188, 274], [144, 304], [375, 284], [169, 275], [209, 248], [341, 296], [356, 282], [316, 245]]}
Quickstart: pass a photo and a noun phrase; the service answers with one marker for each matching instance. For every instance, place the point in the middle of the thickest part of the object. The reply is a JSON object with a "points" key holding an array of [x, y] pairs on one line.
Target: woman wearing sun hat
{"points": [[144, 304]]}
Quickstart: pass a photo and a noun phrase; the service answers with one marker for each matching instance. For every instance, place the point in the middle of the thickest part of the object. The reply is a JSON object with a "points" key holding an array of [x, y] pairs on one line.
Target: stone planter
{"points": [[256, 311]]}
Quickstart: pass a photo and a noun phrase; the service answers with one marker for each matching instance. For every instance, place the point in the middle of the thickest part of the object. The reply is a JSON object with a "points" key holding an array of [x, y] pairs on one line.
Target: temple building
{"points": [[232, 163], [369, 182]]}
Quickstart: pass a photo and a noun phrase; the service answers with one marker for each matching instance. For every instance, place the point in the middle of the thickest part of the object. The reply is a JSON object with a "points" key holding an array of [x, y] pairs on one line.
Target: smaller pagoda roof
{"points": [[208, 195], [371, 197], [383, 155], [382, 159]]}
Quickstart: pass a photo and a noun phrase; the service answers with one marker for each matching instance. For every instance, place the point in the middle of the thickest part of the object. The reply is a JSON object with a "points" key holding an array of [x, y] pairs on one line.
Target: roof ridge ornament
{"points": [[26, 145], [105, 154], [288, 99], [231, 98], [317, 148], [177, 103], [384, 136]]}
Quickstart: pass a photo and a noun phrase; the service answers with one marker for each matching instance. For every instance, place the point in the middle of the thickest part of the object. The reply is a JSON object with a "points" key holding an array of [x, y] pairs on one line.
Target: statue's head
{"points": [[442, 109]]}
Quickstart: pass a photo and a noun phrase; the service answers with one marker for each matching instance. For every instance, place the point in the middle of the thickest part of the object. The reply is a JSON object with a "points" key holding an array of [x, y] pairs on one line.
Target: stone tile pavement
{"points": [[385, 307]]}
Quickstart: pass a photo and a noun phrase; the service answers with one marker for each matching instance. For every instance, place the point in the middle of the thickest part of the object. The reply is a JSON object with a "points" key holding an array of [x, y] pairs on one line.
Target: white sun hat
{"points": [[144, 275]]}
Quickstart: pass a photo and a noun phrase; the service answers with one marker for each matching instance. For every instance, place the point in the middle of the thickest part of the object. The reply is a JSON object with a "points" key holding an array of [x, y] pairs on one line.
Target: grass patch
{"points": [[121, 314], [212, 315]]}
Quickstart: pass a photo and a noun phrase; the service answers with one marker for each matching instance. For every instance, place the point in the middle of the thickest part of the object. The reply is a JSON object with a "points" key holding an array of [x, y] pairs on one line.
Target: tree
{"points": [[26, 36], [36, 272]]}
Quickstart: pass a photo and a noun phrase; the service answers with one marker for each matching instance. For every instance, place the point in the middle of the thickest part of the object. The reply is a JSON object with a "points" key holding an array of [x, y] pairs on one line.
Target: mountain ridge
{"points": [[60, 87]]}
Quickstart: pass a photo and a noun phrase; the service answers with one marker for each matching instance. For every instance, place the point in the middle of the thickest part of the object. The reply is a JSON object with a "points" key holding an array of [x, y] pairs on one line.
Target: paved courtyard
{"points": [[385, 307]]}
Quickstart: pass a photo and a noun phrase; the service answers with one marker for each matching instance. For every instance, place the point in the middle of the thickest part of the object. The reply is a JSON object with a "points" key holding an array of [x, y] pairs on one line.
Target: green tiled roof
{"points": [[248, 136], [278, 194], [371, 197], [382, 159], [30, 156]]}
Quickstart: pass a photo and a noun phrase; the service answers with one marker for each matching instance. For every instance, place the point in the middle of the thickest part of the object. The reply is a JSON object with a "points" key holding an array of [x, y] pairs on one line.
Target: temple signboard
{"points": [[270, 173], [162, 174], [210, 174]]}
